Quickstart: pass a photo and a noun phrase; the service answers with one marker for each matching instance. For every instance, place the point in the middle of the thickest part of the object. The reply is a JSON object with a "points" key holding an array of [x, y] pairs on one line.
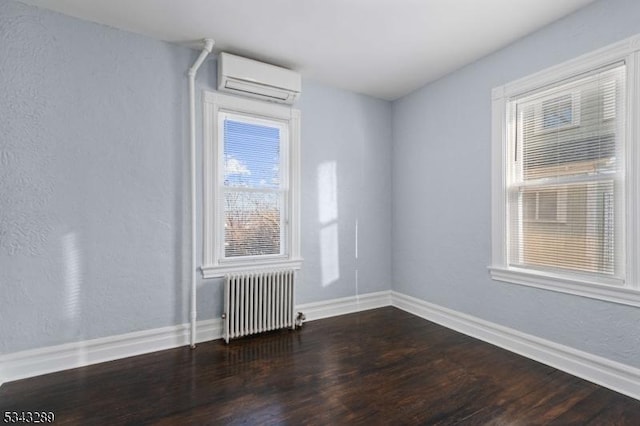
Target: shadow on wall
{"points": [[328, 218]]}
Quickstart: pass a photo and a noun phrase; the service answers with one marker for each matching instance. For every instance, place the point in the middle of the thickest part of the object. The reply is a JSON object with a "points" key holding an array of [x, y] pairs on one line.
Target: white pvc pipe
{"points": [[206, 49]]}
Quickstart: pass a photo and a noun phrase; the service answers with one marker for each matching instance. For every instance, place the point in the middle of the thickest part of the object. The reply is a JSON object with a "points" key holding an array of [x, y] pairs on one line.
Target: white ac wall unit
{"points": [[247, 77]]}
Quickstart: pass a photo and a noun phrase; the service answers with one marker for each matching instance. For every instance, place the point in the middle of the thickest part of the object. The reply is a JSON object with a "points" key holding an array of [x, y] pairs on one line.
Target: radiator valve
{"points": [[300, 319]]}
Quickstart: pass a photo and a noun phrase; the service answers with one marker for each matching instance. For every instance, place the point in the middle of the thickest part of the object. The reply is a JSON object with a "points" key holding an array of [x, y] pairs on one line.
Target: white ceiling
{"points": [[383, 48]]}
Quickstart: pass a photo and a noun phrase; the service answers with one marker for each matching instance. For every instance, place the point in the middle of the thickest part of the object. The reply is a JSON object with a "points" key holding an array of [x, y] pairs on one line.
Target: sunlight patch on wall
{"points": [[327, 192], [72, 275], [356, 255], [328, 218], [329, 256]]}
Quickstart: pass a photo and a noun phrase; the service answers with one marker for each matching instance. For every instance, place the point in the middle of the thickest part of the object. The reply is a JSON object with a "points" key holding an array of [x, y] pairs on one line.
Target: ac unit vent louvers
{"points": [[248, 77]]}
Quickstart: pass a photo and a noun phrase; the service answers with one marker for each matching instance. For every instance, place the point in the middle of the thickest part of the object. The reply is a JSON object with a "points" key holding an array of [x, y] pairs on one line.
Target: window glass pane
{"points": [[556, 143], [251, 155], [565, 227], [252, 223]]}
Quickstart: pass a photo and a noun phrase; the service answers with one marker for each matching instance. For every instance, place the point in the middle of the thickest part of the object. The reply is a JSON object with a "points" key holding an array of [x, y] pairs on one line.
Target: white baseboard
{"points": [[345, 305], [602, 371], [34, 362], [610, 374]]}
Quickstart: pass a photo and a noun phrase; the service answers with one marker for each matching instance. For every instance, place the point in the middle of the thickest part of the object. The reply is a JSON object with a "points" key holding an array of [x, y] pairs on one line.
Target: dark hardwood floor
{"points": [[382, 366]]}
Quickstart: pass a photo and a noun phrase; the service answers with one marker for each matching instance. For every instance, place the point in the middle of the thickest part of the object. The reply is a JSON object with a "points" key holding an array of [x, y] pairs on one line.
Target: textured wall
{"points": [[346, 187], [93, 216], [442, 193], [91, 148]]}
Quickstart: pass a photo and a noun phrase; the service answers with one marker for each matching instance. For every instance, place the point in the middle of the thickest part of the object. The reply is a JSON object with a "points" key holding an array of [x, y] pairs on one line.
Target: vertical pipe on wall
{"points": [[206, 49]]}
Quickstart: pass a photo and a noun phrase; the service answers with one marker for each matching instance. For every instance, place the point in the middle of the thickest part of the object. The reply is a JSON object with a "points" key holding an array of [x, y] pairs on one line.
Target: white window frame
{"points": [[627, 289], [216, 106]]}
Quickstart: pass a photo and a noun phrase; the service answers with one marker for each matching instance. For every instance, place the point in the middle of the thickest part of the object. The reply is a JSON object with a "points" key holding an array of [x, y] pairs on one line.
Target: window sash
{"points": [[545, 242], [282, 190], [545, 161]]}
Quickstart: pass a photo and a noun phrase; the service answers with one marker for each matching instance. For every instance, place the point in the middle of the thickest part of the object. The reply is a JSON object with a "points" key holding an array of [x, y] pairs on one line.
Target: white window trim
{"points": [[626, 291], [213, 265]]}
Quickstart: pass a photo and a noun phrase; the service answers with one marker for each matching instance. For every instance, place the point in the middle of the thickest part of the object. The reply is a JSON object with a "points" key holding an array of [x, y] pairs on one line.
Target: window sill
{"points": [[575, 286], [217, 271]]}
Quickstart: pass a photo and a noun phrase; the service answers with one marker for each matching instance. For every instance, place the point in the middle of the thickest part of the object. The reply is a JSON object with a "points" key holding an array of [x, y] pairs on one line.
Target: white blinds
{"points": [[253, 188], [566, 175]]}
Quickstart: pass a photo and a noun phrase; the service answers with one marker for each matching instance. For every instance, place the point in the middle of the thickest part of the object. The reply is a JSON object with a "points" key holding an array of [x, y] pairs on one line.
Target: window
{"points": [[251, 173], [565, 197], [544, 205], [557, 112]]}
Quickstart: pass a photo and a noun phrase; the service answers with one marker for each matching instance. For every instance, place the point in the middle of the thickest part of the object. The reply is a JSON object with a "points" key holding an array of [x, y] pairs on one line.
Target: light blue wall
{"points": [[346, 182], [441, 193], [93, 201], [90, 180]]}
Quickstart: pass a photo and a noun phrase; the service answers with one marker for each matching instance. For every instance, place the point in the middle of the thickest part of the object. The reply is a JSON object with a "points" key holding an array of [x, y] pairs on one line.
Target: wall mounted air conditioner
{"points": [[247, 77]]}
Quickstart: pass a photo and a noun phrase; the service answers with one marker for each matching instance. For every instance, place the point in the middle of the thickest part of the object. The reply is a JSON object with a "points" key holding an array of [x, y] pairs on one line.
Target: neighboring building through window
{"points": [[563, 179], [251, 185], [564, 192]]}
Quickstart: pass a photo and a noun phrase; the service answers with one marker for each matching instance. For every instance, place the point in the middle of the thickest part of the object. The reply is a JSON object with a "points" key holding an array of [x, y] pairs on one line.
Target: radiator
{"points": [[258, 302]]}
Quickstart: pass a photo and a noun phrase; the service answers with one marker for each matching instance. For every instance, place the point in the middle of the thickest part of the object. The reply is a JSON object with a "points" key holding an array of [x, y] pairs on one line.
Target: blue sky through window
{"points": [[251, 155]]}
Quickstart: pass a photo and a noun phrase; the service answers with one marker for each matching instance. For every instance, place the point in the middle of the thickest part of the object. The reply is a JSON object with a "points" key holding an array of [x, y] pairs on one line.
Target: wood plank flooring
{"points": [[383, 366]]}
